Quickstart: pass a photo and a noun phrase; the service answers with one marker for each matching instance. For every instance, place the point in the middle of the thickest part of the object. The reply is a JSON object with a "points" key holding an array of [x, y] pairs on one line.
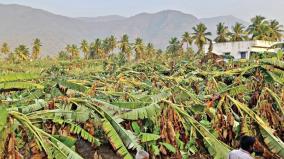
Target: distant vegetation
{"points": [[259, 29], [126, 96]]}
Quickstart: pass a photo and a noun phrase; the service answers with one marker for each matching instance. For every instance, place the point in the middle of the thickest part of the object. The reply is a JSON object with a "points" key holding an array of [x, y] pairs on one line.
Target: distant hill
{"points": [[102, 18], [21, 24]]}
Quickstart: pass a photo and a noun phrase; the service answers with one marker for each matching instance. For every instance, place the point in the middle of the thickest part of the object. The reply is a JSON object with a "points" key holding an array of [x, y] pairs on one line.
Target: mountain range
{"points": [[22, 24]]}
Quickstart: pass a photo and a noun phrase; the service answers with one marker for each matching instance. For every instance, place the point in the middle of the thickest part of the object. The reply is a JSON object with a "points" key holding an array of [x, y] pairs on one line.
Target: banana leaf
{"points": [[274, 143]]}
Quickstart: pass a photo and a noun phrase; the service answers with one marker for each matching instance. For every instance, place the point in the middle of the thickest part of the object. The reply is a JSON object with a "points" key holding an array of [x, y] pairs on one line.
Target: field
{"points": [[182, 106]]}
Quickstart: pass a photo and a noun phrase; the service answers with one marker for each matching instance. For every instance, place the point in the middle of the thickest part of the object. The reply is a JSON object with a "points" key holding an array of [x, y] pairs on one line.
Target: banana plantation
{"points": [[182, 106]]}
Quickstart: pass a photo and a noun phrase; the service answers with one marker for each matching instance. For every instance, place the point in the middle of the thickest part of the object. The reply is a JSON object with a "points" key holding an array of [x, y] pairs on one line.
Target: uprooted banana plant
{"points": [[169, 108]]}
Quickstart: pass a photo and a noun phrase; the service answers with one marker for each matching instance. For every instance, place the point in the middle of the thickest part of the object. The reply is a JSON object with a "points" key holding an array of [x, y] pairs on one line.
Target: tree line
{"points": [[259, 29], [22, 52]]}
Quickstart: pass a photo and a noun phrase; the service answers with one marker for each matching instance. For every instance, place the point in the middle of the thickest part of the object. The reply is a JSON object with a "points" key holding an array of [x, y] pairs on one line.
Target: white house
{"points": [[241, 49]]}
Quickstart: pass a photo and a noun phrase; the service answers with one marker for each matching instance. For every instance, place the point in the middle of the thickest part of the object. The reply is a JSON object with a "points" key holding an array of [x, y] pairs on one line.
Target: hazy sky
{"points": [[243, 9]]}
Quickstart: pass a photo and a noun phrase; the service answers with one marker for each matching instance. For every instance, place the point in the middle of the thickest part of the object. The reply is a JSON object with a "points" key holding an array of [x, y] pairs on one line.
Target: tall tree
{"points": [[68, 49], [97, 50], [159, 52], [74, 50], [85, 48], [187, 39], [36, 48], [112, 43], [139, 48], [174, 47], [239, 33], [92, 53], [223, 33], [22, 52], [106, 46], [259, 29], [125, 46], [276, 30], [150, 50], [263, 33], [200, 36], [5, 49], [63, 55]]}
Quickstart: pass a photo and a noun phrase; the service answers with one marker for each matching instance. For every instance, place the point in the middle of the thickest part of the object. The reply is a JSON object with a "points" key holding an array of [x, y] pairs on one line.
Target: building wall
{"points": [[262, 43], [235, 48]]}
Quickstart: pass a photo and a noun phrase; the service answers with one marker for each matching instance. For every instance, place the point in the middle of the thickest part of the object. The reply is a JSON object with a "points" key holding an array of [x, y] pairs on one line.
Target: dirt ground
{"points": [[87, 151]]}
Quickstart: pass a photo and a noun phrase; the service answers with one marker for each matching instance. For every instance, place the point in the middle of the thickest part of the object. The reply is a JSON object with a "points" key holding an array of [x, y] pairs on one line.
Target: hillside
{"points": [[21, 24]]}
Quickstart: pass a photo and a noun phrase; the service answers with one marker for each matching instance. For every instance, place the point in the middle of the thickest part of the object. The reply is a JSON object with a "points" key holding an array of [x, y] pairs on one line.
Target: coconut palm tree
{"points": [[68, 49], [276, 30], [106, 46], [238, 33], [139, 48], [85, 48], [200, 36], [96, 49], [187, 39], [125, 46], [36, 49], [174, 47], [74, 50], [159, 52], [92, 50], [112, 43], [263, 33], [150, 50], [22, 52], [223, 33], [5, 49], [259, 29], [63, 55]]}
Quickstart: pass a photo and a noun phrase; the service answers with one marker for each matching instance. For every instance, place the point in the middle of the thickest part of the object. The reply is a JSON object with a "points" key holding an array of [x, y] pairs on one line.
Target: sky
{"points": [[244, 9]]}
